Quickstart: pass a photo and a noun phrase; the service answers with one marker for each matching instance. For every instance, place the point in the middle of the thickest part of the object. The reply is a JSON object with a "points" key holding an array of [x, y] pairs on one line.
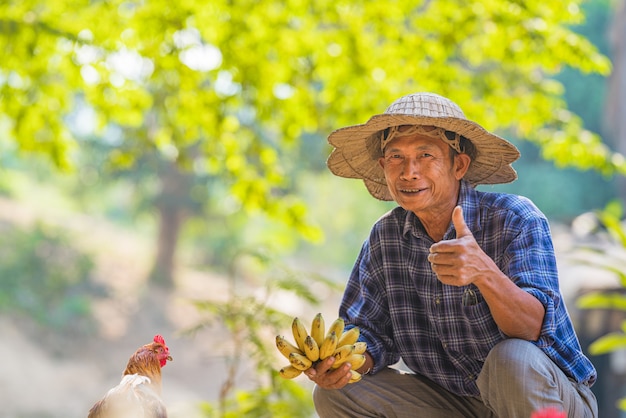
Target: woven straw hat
{"points": [[357, 148]]}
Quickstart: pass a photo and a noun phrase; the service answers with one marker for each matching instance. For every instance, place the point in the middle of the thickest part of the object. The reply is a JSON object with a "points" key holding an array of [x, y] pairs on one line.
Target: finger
{"points": [[333, 378], [340, 377], [442, 254], [320, 368], [462, 230], [438, 258], [324, 366]]}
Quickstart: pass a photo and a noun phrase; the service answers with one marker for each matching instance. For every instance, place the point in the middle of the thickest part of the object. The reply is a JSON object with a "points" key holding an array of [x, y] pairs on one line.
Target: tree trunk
{"points": [[171, 205], [616, 99]]}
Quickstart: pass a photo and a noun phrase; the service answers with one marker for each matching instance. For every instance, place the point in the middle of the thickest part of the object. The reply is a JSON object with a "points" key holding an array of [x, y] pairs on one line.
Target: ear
{"points": [[381, 162], [461, 165]]}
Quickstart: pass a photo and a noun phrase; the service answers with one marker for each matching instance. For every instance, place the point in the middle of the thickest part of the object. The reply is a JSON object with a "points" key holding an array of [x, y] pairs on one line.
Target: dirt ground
{"points": [[52, 375], [47, 375]]}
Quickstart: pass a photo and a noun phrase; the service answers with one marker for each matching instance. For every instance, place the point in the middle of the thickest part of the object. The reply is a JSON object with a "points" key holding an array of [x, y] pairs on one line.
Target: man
{"points": [[461, 285]]}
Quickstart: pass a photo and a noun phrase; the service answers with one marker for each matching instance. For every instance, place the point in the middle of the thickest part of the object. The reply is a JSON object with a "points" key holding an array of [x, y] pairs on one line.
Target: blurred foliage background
{"points": [[200, 127]]}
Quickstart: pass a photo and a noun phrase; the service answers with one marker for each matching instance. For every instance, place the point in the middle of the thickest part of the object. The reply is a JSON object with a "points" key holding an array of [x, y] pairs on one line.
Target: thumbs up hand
{"points": [[459, 261], [462, 230]]}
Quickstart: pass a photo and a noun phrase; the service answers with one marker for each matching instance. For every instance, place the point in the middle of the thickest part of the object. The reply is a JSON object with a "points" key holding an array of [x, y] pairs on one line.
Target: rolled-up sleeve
{"points": [[532, 266], [364, 305]]}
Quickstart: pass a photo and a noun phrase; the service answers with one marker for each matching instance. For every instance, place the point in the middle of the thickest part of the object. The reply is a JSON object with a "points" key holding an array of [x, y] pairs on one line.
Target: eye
{"points": [[394, 156], [394, 159]]}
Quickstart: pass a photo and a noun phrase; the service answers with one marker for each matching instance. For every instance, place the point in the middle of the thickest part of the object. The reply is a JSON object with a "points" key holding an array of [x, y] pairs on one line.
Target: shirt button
{"points": [[445, 345], [437, 300]]}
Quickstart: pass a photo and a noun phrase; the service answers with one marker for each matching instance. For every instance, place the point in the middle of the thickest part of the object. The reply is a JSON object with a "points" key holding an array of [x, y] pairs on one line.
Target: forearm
{"points": [[517, 313]]}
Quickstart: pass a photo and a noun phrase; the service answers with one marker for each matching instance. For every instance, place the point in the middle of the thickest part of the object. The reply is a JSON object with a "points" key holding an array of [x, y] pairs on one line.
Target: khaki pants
{"points": [[516, 380]]}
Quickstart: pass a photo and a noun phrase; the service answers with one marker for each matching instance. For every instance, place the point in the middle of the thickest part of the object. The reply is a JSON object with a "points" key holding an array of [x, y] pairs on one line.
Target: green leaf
{"points": [[599, 300], [608, 343], [621, 404]]}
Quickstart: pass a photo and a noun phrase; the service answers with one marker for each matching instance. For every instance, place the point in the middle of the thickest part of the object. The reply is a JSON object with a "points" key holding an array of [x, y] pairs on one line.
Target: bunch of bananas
{"points": [[311, 348]]}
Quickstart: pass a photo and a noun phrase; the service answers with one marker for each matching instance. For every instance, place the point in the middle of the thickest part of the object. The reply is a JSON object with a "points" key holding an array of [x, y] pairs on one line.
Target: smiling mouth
{"points": [[411, 190]]}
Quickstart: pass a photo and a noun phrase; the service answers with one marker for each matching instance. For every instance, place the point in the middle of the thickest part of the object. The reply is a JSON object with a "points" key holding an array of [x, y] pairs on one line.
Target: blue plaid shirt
{"points": [[404, 311]]}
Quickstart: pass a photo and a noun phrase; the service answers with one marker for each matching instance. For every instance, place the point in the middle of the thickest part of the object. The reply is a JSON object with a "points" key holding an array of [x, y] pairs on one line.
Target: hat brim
{"points": [[357, 151]]}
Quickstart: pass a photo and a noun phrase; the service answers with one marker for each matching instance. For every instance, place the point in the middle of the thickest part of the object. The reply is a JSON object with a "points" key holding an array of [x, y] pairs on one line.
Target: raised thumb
{"points": [[461, 227]]}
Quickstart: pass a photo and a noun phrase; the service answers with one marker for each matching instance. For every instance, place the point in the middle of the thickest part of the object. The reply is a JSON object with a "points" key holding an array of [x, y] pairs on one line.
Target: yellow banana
{"points": [[285, 347], [336, 327], [299, 333], [311, 350], [299, 361], [318, 329], [356, 361], [349, 337], [328, 346], [360, 347], [341, 355], [356, 376], [289, 372]]}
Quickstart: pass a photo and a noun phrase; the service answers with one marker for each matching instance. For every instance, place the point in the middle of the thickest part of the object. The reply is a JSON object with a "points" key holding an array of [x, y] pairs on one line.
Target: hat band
{"points": [[451, 138]]}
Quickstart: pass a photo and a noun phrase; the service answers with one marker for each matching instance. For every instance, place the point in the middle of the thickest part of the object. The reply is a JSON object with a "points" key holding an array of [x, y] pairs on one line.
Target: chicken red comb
{"points": [[159, 339]]}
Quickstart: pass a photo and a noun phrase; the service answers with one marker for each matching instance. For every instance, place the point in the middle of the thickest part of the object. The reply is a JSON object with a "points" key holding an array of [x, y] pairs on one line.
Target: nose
{"points": [[410, 169]]}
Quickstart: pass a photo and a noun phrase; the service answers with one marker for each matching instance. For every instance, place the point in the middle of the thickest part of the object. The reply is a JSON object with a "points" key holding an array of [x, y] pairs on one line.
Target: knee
{"points": [[508, 361], [519, 376], [512, 354]]}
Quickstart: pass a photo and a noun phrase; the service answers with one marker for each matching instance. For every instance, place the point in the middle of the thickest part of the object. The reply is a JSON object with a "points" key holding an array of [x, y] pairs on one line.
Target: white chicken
{"points": [[139, 393]]}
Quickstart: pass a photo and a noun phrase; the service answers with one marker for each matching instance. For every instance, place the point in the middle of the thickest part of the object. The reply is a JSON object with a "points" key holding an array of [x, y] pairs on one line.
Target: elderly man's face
{"points": [[421, 174]]}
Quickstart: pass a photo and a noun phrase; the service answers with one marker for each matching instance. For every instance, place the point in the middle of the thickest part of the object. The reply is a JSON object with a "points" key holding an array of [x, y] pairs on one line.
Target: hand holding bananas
{"points": [[335, 353]]}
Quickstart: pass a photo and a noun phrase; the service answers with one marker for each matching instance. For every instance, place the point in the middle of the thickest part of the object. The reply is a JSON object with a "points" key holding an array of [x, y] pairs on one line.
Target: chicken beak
{"points": [[170, 358]]}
